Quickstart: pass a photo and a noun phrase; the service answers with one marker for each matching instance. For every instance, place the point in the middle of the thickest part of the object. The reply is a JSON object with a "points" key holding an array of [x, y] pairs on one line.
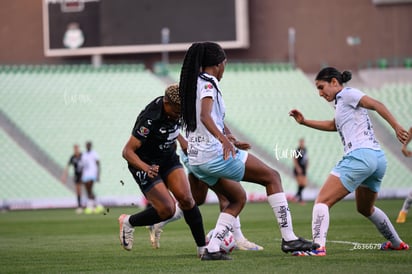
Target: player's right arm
{"points": [[63, 178], [134, 160], [328, 125]]}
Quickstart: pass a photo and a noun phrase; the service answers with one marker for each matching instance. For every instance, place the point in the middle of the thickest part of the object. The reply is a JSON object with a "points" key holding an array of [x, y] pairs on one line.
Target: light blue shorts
{"points": [[185, 161], [86, 179], [361, 167], [232, 168]]}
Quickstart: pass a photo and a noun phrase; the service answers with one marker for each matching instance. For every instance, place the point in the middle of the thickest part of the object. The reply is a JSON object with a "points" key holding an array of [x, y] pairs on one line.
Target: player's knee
{"points": [[273, 180], [186, 203], [199, 200], [166, 211]]}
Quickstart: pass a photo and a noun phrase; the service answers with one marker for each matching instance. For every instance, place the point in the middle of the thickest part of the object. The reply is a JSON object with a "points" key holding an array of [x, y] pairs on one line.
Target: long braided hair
{"points": [[198, 56]]}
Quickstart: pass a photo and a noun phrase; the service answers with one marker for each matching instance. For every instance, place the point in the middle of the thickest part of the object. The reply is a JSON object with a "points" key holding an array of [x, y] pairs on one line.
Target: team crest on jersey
{"points": [[143, 131], [208, 86]]}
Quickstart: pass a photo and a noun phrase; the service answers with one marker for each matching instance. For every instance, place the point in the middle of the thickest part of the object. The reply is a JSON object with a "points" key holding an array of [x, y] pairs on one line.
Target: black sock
{"points": [[193, 218], [148, 216], [299, 194], [79, 203]]}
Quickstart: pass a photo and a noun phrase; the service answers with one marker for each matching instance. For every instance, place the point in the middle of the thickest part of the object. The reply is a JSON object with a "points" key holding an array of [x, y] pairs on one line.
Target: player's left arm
{"points": [[209, 123], [372, 104], [236, 143]]}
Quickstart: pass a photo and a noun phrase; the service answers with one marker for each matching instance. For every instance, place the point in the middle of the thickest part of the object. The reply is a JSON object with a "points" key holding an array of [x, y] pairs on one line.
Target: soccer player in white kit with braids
{"points": [[362, 167], [216, 157]]}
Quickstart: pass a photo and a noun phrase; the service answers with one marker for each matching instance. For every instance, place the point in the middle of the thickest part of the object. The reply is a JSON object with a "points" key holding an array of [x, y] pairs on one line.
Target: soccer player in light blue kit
{"points": [[363, 165], [214, 153]]}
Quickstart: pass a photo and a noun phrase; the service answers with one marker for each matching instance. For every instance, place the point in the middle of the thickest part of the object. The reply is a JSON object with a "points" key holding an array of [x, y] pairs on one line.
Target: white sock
{"points": [[408, 202], [320, 223], [223, 225], [280, 207], [237, 232], [178, 215], [385, 227]]}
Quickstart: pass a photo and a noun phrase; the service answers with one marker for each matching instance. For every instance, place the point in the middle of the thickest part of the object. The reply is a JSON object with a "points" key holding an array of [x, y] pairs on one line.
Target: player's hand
{"points": [[63, 178], [228, 149], [401, 134], [242, 145], [238, 144], [297, 115], [152, 171], [406, 152]]}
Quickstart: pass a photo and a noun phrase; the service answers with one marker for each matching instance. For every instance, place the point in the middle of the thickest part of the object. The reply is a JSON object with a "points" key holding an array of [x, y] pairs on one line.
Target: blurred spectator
{"points": [[90, 165], [74, 161], [300, 166]]}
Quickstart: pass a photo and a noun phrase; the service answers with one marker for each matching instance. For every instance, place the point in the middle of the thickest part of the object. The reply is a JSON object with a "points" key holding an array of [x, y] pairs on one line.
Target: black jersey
{"points": [[75, 161], [157, 133], [302, 157]]}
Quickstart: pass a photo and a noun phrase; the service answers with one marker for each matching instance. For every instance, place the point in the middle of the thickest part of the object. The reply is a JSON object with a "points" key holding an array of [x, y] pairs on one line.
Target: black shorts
{"points": [[303, 171], [145, 183], [77, 177]]}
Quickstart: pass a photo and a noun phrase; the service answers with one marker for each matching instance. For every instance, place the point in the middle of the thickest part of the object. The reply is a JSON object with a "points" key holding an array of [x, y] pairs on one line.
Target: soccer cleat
{"points": [[214, 256], [299, 244], [126, 233], [388, 246], [401, 217], [319, 252], [79, 210], [245, 244], [154, 232], [88, 210], [99, 209]]}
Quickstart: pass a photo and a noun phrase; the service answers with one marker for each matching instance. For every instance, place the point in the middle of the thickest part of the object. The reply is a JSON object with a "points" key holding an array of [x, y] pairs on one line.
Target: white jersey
{"points": [[352, 121], [88, 163], [202, 145]]}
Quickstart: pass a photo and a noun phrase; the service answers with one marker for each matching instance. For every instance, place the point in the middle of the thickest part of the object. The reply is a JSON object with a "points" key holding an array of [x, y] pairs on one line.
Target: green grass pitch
{"points": [[59, 241]]}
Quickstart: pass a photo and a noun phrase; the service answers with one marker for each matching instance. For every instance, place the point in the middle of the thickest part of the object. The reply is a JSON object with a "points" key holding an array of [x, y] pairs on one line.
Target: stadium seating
{"points": [[62, 105], [57, 106], [397, 98], [22, 178]]}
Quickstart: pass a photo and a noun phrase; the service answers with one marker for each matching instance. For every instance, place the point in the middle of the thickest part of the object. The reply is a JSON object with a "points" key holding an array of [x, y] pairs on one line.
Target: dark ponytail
{"points": [[327, 74], [198, 56]]}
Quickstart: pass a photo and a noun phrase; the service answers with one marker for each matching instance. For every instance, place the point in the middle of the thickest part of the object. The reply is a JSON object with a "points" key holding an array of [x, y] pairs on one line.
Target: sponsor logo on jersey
{"points": [[143, 131], [208, 86]]}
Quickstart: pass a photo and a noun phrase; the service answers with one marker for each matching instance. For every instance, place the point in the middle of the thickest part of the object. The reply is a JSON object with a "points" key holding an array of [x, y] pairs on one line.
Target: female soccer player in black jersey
{"points": [[154, 164]]}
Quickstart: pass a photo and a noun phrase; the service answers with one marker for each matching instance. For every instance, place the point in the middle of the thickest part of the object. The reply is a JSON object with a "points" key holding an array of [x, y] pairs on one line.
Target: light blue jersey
{"points": [[364, 163], [352, 121], [202, 145]]}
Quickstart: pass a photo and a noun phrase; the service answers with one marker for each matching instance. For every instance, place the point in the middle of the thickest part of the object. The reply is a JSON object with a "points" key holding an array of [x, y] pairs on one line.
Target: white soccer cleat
{"points": [[245, 244], [126, 232], [154, 232]]}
